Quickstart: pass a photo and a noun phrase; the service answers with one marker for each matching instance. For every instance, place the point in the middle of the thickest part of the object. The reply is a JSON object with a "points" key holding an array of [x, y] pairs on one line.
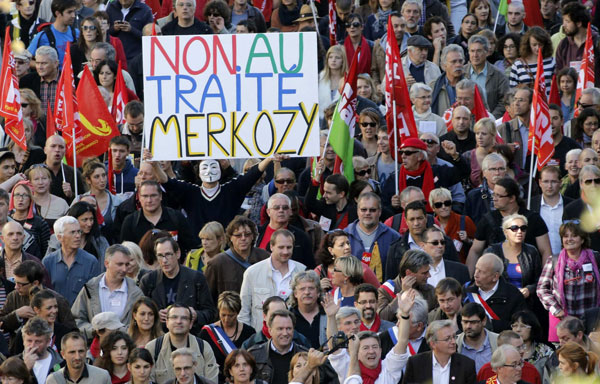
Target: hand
{"points": [[450, 148], [67, 189], [326, 284], [438, 43], [406, 300], [329, 306], [224, 163], [17, 177], [30, 357], [410, 80], [278, 157], [560, 314], [316, 358], [219, 23], [525, 292], [408, 282], [25, 312], [396, 201], [319, 167], [353, 345], [146, 155], [125, 26], [162, 314], [194, 315], [462, 235]]}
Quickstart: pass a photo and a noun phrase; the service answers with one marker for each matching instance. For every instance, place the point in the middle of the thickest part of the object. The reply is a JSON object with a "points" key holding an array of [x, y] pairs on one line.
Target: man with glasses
{"points": [[184, 22], [434, 244], [507, 363], [152, 215], [175, 283], [589, 183], [111, 291], [420, 97], [270, 277], [479, 200], [179, 319], [476, 342], [551, 204], [370, 239], [279, 210], [22, 59], [365, 299], [587, 156], [441, 365], [225, 271], [70, 267]]}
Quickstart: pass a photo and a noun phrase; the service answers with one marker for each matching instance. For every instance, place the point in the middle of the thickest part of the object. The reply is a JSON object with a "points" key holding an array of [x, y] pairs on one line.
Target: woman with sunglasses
{"points": [[522, 266], [570, 283], [34, 154], [31, 106], [347, 275], [369, 124], [336, 244], [218, 16], [90, 35], [460, 228]]}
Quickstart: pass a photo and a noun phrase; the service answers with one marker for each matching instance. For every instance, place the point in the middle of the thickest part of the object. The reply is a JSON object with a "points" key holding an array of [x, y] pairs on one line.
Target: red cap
{"points": [[413, 142]]}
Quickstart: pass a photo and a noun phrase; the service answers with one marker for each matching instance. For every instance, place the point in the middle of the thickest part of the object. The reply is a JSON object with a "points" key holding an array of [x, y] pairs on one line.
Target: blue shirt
{"points": [[61, 42], [69, 281], [479, 79], [481, 356]]}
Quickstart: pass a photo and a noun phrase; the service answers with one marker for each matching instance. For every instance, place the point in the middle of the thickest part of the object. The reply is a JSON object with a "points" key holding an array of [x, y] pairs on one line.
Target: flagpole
{"points": [[62, 168], [395, 145], [531, 171], [75, 160], [313, 8], [496, 22]]}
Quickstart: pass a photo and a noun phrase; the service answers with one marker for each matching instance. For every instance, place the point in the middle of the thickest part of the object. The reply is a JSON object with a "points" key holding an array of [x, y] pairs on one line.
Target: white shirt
{"points": [[282, 283], [487, 294], [552, 215], [113, 301], [440, 374], [436, 274], [41, 368], [412, 244]]}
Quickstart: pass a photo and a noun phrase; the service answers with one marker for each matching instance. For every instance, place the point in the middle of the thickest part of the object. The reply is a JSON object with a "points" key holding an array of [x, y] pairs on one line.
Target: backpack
{"points": [[159, 343], [46, 28]]}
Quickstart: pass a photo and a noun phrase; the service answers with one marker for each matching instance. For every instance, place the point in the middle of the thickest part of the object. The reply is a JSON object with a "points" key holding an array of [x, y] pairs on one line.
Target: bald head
{"points": [[55, 150], [12, 236], [147, 30], [488, 270], [588, 157]]}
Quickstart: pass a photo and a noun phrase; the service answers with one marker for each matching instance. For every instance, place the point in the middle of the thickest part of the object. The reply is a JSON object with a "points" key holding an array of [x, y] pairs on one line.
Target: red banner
{"points": [[403, 123], [10, 98], [332, 23], [120, 98], [554, 94], [65, 104], [586, 72], [539, 121]]}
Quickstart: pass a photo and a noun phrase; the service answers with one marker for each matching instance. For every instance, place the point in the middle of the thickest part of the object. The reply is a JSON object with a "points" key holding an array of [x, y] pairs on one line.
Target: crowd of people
{"points": [[439, 268]]}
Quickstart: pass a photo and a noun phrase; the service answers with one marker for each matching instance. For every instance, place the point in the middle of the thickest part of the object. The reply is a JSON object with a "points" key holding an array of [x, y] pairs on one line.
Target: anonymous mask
{"points": [[210, 171]]}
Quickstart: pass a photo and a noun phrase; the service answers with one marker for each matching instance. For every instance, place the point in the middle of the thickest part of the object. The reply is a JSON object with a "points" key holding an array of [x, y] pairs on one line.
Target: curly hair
{"points": [[542, 37], [104, 361]]}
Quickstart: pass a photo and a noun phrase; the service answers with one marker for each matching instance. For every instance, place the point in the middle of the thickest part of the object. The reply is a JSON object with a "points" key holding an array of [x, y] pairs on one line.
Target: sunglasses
{"points": [[515, 228], [214, 15], [437, 242], [354, 24], [89, 27], [365, 124], [590, 181], [285, 181], [430, 141], [24, 105], [407, 153], [20, 62], [441, 204], [582, 105], [363, 172]]}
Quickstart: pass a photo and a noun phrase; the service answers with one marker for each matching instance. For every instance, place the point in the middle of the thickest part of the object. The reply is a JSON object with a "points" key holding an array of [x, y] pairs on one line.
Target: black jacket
{"points": [[387, 344], [264, 368], [400, 246], [192, 291], [479, 202], [419, 369], [536, 202], [504, 302], [457, 270], [302, 246], [321, 208], [530, 262]]}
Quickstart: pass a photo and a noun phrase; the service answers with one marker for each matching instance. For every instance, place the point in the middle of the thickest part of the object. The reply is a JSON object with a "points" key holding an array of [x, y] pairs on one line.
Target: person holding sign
{"points": [[212, 201], [185, 23]]}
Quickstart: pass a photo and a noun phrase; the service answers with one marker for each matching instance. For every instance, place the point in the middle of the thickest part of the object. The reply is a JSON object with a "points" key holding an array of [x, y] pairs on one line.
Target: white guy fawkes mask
{"points": [[210, 171]]}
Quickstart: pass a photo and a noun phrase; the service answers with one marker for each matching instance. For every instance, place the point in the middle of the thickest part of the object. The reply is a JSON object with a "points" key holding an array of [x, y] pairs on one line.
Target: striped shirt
{"points": [[520, 73]]}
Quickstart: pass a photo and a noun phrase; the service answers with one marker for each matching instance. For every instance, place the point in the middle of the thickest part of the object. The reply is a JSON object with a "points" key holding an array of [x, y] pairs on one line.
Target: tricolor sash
{"points": [[390, 287], [476, 298], [393, 331], [337, 295], [220, 338]]}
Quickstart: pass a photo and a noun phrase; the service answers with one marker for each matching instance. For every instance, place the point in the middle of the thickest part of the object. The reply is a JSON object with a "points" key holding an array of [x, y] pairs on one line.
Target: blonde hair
{"points": [[439, 193], [350, 267], [214, 228], [339, 49], [486, 124]]}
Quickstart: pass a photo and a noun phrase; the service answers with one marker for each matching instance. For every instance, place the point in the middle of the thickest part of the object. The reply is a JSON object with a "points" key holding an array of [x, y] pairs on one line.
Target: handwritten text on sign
{"points": [[231, 96]]}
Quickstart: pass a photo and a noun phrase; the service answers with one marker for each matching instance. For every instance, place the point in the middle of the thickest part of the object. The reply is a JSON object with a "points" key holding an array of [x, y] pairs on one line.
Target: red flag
{"points": [[111, 174], [50, 128], [10, 98], [65, 104], [554, 95], [586, 72], [95, 125], [120, 98], [153, 28], [403, 123], [539, 121], [533, 14], [332, 23], [480, 112]]}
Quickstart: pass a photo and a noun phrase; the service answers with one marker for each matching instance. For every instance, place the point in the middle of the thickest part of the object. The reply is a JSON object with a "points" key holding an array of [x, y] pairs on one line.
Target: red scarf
{"points": [[364, 58], [95, 347], [265, 330], [120, 380], [425, 171], [369, 375], [374, 327]]}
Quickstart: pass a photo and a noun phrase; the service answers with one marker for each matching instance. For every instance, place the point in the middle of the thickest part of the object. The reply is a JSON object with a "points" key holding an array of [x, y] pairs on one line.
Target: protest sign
{"points": [[231, 96]]}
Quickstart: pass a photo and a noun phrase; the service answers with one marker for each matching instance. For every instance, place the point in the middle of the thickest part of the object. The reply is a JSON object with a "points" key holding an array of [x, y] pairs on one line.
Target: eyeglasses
{"points": [[365, 210], [354, 24], [21, 62], [423, 97], [407, 153], [515, 228], [365, 302], [429, 141], [19, 284], [515, 365], [175, 317], [167, 255], [363, 172], [240, 235], [435, 243], [337, 270], [498, 196], [590, 181], [20, 196], [365, 124], [89, 27], [214, 15], [285, 181], [280, 207], [510, 46], [446, 203], [24, 105], [582, 105], [499, 169], [520, 325]]}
